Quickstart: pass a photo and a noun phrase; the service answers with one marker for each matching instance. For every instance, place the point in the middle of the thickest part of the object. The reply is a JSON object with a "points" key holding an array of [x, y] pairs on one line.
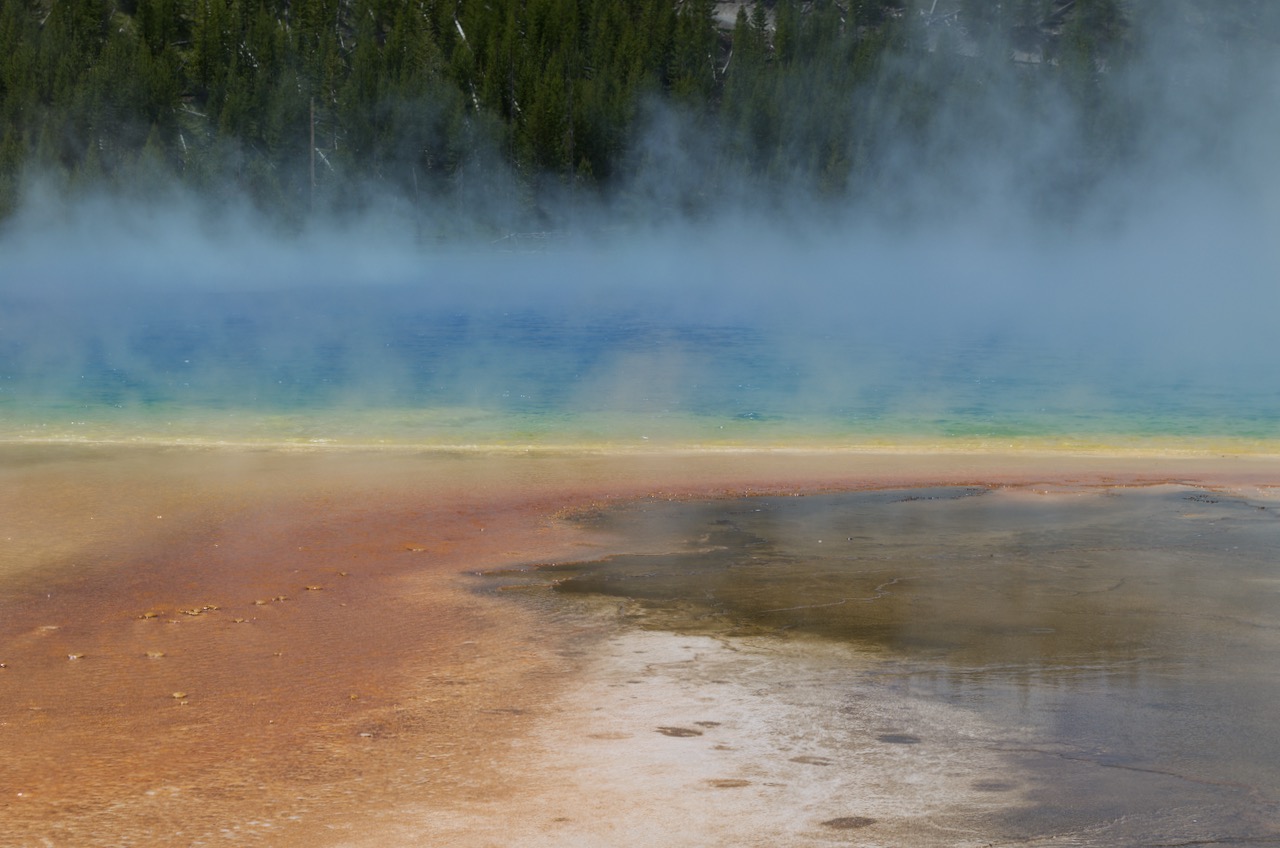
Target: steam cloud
{"points": [[1164, 269]]}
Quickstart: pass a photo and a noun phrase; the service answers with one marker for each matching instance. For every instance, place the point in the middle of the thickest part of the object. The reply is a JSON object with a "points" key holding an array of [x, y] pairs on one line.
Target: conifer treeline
{"points": [[294, 102]]}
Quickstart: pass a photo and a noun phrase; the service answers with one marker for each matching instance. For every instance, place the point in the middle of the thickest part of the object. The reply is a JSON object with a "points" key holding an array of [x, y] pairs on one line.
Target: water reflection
{"points": [[1122, 640]]}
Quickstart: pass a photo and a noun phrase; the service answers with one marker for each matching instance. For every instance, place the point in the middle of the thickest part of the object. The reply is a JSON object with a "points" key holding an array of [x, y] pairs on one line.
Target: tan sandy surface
{"points": [[263, 647]]}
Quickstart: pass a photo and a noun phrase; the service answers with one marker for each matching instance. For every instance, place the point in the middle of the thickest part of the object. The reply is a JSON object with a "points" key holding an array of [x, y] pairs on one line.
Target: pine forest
{"points": [[300, 105]]}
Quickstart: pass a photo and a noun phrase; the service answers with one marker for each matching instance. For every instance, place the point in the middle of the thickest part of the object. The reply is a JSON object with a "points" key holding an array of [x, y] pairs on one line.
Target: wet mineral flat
{"points": [[941, 666]]}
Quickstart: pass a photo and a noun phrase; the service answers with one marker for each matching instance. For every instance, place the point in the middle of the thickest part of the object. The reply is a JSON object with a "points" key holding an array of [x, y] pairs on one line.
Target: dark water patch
{"points": [[849, 823], [956, 572], [898, 739], [1119, 642]]}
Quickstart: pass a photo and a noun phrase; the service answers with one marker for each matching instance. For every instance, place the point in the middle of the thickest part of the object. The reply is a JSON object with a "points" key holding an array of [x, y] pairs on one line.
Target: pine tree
{"points": [[693, 53]]}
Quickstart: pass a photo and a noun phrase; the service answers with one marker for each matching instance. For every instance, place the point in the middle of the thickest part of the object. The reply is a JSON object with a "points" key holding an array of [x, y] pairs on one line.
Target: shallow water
{"points": [[1118, 645], [391, 364]]}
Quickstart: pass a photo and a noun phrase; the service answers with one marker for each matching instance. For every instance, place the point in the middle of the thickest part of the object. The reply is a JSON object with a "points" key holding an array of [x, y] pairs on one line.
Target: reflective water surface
{"points": [[1119, 644]]}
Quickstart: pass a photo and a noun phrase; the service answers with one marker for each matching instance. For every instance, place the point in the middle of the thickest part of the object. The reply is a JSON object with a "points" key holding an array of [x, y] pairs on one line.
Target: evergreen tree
{"points": [[692, 73]]}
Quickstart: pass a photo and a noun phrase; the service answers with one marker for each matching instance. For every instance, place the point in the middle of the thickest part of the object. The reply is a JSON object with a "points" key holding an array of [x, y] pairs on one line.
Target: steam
{"points": [[987, 243]]}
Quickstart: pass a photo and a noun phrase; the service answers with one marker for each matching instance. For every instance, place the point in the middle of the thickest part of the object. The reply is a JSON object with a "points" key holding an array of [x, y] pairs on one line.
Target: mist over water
{"points": [[989, 285]]}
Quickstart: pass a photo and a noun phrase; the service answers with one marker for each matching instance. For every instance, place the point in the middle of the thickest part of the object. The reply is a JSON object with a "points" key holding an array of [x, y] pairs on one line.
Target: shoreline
{"points": [[718, 466], [1138, 447], [307, 714]]}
